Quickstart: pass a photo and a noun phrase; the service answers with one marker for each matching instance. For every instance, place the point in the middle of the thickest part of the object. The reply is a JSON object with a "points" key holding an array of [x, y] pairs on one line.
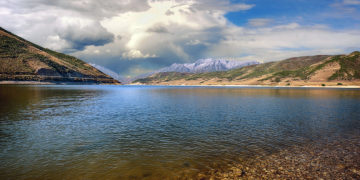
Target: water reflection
{"points": [[261, 91], [17, 98], [112, 132]]}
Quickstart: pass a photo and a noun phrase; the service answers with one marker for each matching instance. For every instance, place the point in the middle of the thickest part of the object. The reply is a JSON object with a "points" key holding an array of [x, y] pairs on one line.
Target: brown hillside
{"points": [[21, 60]]}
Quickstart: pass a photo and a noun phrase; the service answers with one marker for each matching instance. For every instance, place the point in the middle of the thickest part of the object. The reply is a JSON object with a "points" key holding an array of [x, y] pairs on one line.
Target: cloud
{"points": [[258, 22], [351, 2], [78, 36], [193, 42], [64, 25], [158, 28], [347, 7], [137, 36], [216, 5], [280, 42], [169, 13], [91, 8], [136, 54]]}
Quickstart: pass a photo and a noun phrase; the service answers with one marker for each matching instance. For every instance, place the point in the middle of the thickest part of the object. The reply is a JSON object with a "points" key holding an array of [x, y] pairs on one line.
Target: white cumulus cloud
{"points": [[134, 53]]}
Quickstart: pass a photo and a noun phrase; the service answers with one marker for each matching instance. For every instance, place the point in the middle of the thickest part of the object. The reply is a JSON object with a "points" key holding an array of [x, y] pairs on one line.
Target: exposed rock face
{"points": [[21, 60], [46, 72]]}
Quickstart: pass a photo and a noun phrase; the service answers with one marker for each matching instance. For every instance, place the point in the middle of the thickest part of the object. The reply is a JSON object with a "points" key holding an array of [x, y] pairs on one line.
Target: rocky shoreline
{"points": [[329, 159]]}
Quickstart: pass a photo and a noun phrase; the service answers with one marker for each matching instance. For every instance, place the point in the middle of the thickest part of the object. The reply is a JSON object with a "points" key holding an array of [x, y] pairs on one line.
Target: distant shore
{"points": [[250, 86]]}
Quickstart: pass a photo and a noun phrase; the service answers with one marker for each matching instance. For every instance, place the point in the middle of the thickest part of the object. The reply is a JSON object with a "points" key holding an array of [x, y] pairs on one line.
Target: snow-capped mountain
{"points": [[207, 65], [199, 66]]}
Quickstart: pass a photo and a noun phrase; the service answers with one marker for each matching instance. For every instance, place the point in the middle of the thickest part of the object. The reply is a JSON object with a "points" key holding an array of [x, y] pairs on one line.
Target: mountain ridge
{"points": [[319, 70]]}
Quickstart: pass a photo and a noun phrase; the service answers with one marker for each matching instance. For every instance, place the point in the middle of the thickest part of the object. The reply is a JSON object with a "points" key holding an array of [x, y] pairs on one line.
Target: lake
{"points": [[157, 132]]}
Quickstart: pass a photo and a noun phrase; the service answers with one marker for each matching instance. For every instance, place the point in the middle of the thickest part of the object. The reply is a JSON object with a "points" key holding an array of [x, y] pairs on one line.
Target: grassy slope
{"points": [[16, 53], [349, 67], [300, 68]]}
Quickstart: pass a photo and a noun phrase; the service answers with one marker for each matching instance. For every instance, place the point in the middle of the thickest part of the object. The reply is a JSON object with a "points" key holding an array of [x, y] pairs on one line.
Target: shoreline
{"points": [[250, 86], [25, 83], [51, 83], [244, 86]]}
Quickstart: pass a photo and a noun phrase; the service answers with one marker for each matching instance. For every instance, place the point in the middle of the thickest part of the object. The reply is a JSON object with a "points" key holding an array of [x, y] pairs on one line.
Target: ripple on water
{"points": [[111, 132]]}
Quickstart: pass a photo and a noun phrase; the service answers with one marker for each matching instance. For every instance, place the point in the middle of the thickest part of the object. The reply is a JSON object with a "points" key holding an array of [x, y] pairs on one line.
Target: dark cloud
{"points": [[158, 28], [75, 24], [169, 13], [200, 42], [79, 37], [93, 8], [221, 5]]}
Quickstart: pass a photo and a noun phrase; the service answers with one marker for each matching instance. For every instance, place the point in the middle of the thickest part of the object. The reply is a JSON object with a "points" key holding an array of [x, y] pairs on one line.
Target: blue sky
{"points": [[335, 14], [138, 36]]}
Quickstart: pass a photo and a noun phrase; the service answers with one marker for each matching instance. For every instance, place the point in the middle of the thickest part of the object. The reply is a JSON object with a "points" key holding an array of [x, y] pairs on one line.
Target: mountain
{"points": [[320, 70], [21, 60], [199, 66], [206, 65]]}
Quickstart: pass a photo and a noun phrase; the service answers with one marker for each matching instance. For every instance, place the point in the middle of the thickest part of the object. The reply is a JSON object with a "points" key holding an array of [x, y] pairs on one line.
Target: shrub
{"points": [[339, 84], [323, 85]]}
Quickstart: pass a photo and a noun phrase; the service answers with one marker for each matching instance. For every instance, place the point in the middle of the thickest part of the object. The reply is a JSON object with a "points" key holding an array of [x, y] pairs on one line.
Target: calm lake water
{"points": [[134, 132]]}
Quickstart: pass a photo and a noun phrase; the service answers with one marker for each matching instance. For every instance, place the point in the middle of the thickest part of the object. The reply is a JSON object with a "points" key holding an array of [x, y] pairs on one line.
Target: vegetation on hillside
{"points": [[349, 67], [22, 60]]}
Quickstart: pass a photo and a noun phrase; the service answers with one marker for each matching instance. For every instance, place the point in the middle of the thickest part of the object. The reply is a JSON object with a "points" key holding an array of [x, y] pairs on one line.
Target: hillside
{"points": [[321, 70], [21, 60]]}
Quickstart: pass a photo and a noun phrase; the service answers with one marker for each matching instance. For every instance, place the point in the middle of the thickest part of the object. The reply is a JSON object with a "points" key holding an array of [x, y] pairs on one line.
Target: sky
{"points": [[133, 37]]}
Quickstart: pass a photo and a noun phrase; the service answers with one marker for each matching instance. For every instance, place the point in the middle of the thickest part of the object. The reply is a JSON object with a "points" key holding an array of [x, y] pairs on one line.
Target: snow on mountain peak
{"points": [[207, 65]]}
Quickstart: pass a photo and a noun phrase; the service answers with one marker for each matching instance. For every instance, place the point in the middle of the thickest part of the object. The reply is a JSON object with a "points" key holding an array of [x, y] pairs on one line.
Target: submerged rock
{"points": [[337, 159]]}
